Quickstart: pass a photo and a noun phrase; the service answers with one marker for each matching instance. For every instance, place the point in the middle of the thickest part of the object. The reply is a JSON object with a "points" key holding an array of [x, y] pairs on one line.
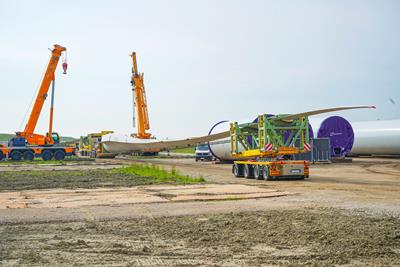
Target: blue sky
{"points": [[204, 61]]}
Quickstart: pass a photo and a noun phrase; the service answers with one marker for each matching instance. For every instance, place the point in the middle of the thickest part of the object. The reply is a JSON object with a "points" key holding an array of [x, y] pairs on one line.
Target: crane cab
{"points": [[52, 139]]}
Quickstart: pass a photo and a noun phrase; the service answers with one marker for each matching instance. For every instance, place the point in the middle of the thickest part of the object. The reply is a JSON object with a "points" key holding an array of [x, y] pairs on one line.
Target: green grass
{"points": [[6, 137], [38, 161], [68, 139], [158, 174], [186, 150], [132, 175]]}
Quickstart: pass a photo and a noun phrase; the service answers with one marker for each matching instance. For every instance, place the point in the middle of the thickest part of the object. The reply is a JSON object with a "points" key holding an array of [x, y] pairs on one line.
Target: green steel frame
{"points": [[273, 130]]}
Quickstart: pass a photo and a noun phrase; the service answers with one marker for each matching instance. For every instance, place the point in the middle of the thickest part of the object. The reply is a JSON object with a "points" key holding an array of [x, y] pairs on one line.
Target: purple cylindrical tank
{"points": [[310, 133], [340, 133]]}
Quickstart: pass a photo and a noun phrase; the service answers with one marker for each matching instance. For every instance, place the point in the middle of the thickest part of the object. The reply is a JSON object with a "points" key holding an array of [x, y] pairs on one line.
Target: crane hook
{"points": [[65, 64]]}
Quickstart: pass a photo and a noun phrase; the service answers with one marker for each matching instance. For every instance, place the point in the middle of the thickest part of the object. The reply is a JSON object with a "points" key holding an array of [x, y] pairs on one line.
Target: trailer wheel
{"points": [[1, 155], [28, 155], [16, 155], [59, 155], [257, 170], [237, 170], [248, 171], [47, 155], [265, 173]]}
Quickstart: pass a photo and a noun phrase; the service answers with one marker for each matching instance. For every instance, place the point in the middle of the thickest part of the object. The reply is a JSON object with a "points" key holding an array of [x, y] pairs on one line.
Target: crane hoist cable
{"points": [[64, 66], [38, 82]]}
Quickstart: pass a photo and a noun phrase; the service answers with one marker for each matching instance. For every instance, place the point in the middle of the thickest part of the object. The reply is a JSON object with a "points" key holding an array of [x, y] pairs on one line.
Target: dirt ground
{"points": [[306, 237], [345, 214], [371, 184]]}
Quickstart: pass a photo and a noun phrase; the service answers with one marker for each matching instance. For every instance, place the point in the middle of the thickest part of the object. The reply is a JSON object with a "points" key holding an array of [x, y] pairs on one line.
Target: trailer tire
{"points": [[28, 155], [47, 155], [59, 155], [16, 155], [248, 171], [257, 171], [237, 170], [265, 173], [1, 155], [303, 177]]}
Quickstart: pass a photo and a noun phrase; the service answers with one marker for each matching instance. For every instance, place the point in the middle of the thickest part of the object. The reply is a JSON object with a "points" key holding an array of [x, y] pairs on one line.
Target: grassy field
{"points": [[301, 237], [6, 137], [128, 176], [186, 150]]}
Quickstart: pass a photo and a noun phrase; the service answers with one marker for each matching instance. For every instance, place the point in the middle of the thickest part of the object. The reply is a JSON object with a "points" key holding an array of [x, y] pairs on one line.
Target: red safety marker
{"points": [[307, 147], [268, 147]]}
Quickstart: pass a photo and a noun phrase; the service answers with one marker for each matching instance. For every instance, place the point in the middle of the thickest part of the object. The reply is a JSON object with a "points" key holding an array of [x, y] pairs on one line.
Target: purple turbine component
{"points": [[310, 133], [340, 133]]}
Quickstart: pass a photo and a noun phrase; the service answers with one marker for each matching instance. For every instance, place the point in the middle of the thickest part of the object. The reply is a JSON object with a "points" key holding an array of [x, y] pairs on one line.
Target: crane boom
{"points": [[140, 102], [48, 77]]}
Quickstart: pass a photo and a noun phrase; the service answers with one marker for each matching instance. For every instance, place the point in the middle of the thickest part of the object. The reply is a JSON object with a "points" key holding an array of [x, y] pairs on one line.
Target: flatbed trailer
{"points": [[270, 170], [264, 149], [18, 153]]}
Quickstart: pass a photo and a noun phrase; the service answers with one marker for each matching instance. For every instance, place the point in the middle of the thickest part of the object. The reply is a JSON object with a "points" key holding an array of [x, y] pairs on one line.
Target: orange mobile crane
{"points": [[27, 144], [139, 102]]}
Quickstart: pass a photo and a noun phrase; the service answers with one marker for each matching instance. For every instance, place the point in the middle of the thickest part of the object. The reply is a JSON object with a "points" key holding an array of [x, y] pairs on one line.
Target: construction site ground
{"points": [[345, 214]]}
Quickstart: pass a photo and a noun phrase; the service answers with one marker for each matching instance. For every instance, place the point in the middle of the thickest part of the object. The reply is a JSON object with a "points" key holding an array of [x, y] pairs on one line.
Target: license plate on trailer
{"points": [[295, 171]]}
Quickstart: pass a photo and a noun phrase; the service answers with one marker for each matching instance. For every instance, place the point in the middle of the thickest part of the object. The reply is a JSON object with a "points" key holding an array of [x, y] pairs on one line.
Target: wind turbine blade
{"points": [[318, 111], [153, 145]]}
